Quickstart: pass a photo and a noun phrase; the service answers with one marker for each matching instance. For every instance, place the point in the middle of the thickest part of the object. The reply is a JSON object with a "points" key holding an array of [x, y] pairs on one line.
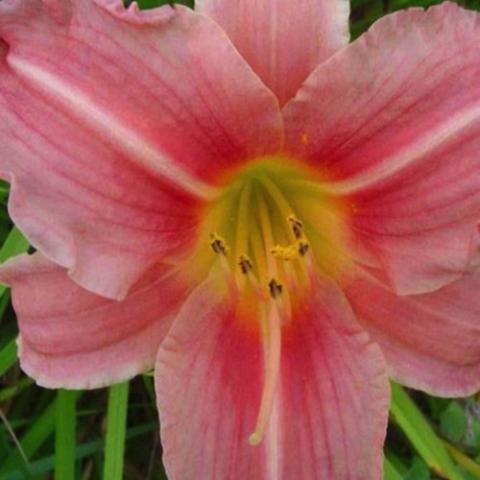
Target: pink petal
{"points": [[74, 339], [395, 119], [282, 40], [112, 121], [431, 341], [329, 415]]}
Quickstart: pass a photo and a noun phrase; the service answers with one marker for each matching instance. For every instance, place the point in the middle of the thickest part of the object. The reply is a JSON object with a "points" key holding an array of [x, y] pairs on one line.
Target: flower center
{"points": [[271, 220], [267, 233]]}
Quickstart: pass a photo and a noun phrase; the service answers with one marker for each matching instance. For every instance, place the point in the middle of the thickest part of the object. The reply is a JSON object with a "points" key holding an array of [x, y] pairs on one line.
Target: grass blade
{"points": [[411, 420], [116, 429], [32, 440], [45, 465], [390, 472], [470, 465], [65, 434], [8, 355]]}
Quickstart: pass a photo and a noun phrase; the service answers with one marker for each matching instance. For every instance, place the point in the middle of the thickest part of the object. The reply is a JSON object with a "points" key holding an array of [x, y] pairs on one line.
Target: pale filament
{"points": [[272, 350]]}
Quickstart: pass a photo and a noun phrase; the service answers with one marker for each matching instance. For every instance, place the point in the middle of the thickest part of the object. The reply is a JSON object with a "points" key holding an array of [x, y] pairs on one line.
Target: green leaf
{"points": [[116, 429], [390, 472], [419, 471], [452, 422], [411, 420], [65, 434]]}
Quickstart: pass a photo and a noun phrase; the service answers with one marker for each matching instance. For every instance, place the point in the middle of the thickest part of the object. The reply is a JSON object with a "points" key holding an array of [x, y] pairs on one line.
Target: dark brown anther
{"points": [[218, 244], [245, 264], [297, 226], [275, 288], [303, 248]]}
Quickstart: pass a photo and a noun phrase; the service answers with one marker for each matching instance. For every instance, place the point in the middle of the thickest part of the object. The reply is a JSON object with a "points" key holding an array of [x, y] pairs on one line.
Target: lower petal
{"points": [[72, 338], [430, 341], [332, 391]]}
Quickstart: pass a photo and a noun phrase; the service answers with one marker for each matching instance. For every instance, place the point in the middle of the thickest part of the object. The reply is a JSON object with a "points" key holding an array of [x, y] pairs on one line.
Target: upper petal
{"points": [[395, 120], [430, 341], [282, 40], [72, 338], [111, 124], [333, 392]]}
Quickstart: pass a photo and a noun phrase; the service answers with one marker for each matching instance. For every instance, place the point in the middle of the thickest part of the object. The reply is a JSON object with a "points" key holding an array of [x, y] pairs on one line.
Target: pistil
{"points": [[272, 350]]}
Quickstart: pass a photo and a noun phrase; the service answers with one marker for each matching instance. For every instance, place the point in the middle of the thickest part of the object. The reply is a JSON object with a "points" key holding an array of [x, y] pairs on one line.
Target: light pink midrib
{"points": [[81, 107], [393, 164]]}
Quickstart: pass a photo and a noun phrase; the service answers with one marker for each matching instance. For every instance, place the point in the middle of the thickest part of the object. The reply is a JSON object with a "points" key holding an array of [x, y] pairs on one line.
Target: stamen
{"points": [[297, 226], [242, 233], [303, 247], [272, 352], [286, 210], [245, 264], [291, 252], [218, 244], [288, 253], [246, 267], [220, 247], [275, 288]]}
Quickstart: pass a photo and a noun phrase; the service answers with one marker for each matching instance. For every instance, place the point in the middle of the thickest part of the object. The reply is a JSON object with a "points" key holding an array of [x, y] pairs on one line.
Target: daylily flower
{"points": [[275, 219]]}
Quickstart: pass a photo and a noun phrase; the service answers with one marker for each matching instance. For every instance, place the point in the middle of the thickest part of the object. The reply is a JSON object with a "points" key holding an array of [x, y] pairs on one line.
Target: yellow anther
{"points": [[288, 253], [245, 264], [291, 252], [218, 244], [297, 226], [275, 288]]}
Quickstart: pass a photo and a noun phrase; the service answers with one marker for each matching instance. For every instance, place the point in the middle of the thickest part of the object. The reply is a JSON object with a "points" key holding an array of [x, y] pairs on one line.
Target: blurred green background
{"points": [[113, 433]]}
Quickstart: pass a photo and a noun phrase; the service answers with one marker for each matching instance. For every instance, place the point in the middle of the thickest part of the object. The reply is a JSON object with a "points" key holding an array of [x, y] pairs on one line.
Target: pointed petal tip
{"points": [[310, 32]]}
